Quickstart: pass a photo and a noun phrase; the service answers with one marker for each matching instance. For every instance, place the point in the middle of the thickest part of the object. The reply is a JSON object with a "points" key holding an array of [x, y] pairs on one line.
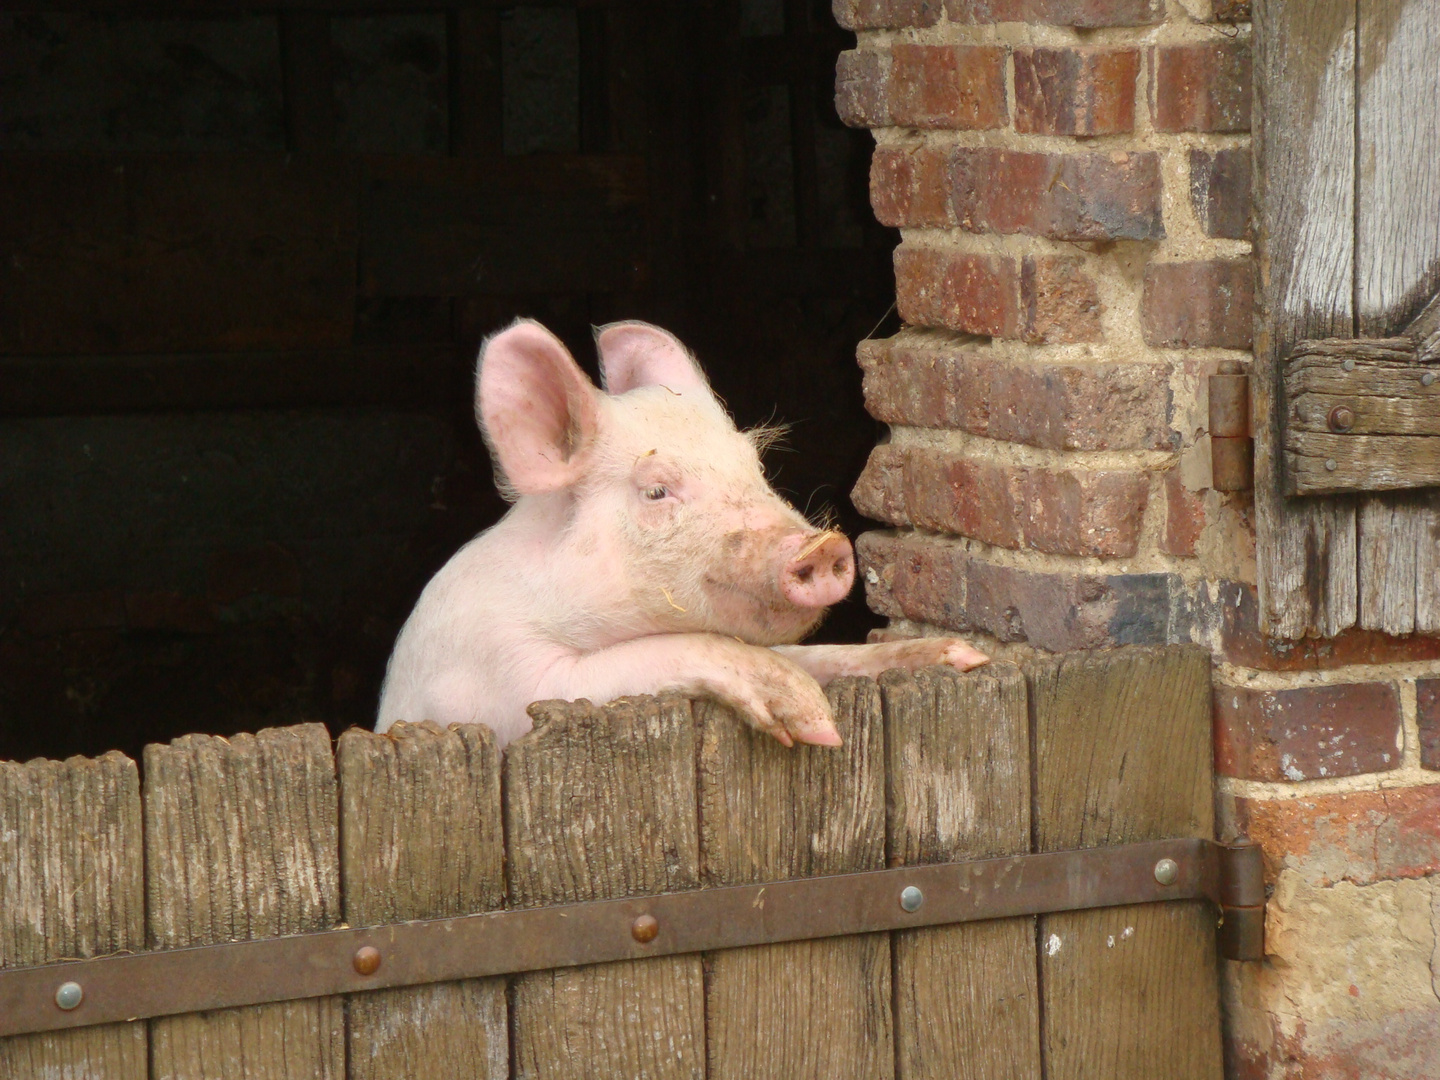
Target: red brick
{"points": [[1427, 694], [1075, 91], [862, 88], [1081, 13], [939, 581], [910, 187], [1196, 304], [1237, 617], [948, 86], [1307, 732], [1184, 518], [1059, 406], [1100, 196], [975, 294], [885, 14], [1061, 303], [1063, 512], [1201, 87], [1220, 191], [1360, 837]]}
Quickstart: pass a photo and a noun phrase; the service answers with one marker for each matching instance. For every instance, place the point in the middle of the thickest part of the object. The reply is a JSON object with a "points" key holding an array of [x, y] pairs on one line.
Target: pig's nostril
{"points": [[805, 573], [840, 568]]}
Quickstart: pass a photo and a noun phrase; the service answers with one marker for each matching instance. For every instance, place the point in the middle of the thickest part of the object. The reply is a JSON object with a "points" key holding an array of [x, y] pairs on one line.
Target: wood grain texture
{"points": [[600, 804], [241, 842], [1122, 753], [1304, 136], [958, 784], [71, 888], [1397, 254], [766, 814], [421, 837]]}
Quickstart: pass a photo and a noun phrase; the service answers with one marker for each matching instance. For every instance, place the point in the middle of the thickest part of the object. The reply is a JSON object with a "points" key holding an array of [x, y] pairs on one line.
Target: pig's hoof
{"points": [[961, 655]]}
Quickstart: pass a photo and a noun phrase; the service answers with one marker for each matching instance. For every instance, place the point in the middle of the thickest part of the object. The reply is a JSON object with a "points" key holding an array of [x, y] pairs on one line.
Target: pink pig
{"points": [[645, 552]]}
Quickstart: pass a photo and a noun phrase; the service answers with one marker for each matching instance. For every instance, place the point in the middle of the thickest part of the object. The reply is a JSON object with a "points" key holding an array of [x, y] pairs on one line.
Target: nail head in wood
{"points": [[644, 929], [1341, 418], [367, 960], [1428, 379]]}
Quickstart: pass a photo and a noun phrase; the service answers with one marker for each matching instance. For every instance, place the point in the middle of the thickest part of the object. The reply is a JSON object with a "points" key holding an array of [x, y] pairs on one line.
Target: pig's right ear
{"points": [[537, 409], [637, 354]]}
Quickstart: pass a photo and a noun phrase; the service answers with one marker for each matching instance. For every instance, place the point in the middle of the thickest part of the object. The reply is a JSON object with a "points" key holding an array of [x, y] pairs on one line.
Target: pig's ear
{"points": [[637, 354], [537, 409]]}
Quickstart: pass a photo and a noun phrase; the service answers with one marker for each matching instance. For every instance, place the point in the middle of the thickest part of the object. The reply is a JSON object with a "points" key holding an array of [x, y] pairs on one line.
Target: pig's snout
{"points": [[821, 571]]}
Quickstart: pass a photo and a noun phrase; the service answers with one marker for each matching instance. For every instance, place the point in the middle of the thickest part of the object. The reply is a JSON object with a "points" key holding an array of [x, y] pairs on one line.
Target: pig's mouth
{"points": [[766, 618]]}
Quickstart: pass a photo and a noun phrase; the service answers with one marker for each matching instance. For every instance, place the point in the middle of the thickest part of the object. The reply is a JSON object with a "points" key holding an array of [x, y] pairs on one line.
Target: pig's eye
{"points": [[656, 493]]}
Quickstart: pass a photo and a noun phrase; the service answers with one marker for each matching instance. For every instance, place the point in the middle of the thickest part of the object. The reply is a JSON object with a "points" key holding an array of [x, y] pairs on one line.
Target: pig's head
{"points": [[655, 487]]}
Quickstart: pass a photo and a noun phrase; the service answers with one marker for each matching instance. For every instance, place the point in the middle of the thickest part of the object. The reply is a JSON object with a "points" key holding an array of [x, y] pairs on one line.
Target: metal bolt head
{"points": [[367, 960], [1349, 363], [1428, 379], [69, 995], [1342, 418], [911, 898], [644, 929], [1166, 871], [1330, 464]]}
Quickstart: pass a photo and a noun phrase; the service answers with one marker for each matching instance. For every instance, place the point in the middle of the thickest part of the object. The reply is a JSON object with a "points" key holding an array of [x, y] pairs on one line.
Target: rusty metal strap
{"points": [[139, 985]]}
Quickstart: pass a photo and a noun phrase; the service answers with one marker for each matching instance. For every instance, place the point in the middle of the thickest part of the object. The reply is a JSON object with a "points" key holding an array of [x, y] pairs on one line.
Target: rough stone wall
{"points": [[1071, 181]]}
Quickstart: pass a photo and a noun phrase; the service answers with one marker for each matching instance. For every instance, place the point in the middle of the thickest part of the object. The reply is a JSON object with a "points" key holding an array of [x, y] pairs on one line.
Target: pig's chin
{"points": [[758, 618]]}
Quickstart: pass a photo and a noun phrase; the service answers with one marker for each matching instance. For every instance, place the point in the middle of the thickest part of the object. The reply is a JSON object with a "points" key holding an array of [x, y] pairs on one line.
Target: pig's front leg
{"points": [[827, 662], [770, 691]]}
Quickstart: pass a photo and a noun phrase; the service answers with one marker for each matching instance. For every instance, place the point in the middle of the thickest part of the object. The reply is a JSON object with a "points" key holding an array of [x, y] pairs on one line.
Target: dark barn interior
{"points": [[247, 256]]}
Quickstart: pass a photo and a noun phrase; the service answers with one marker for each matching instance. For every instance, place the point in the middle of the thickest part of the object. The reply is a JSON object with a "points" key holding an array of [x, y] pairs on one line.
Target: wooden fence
{"points": [[275, 833]]}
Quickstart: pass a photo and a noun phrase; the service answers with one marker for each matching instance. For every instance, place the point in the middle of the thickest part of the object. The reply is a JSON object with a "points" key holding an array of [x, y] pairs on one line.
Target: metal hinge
{"points": [[1232, 450], [165, 983]]}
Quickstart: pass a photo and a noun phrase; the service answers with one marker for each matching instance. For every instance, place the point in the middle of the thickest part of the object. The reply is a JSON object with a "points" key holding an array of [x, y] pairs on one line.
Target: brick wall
{"points": [[1071, 182]]}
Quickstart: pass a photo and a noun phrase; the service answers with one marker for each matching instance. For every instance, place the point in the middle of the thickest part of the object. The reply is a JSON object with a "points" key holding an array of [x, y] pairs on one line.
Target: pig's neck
{"points": [[576, 588]]}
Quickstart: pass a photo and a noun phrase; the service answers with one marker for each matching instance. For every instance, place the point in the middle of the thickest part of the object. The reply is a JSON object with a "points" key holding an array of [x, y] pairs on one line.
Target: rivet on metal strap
{"points": [[367, 960], [1166, 871], [911, 898], [69, 995], [644, 929]]}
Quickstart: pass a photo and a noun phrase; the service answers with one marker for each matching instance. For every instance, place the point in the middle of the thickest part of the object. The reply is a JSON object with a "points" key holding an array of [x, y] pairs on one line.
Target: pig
{"points": [[645, 552]]}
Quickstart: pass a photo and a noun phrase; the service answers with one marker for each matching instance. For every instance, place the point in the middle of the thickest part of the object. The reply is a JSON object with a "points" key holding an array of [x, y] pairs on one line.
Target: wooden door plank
{"points": [[1397, 237], [1305, 149], [958, 787], [240, 843], [600, 804], [421, 838], [802, 1009], [71, 888], [176, 252], [1122, 753]]}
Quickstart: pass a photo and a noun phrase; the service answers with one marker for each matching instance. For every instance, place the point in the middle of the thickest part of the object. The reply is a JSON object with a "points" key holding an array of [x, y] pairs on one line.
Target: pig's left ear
{"points": [[637, 354]]}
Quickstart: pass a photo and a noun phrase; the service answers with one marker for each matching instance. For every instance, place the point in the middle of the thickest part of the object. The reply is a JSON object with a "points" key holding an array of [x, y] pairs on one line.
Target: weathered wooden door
{"points": [[237, 839], [1348, 147]]}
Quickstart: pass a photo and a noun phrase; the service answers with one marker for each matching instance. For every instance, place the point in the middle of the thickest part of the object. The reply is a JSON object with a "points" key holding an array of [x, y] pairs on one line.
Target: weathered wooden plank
{"points": [[817, 1008], [71, 888], [600, 804], [476, 86], [1323, 462], [240, 842], [307, 63], [1397, 253], [421, 838], [456, 227], [176, 252], [1122, 753], [958, 787], [1305, 150]]}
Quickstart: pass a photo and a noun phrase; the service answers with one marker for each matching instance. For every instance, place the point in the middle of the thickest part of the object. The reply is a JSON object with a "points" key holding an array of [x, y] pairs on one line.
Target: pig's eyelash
{"points": [[656, 492]]}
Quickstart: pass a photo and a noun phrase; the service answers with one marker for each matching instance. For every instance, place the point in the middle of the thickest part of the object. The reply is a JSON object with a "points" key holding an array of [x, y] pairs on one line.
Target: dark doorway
{"points": [[246, 258]]}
